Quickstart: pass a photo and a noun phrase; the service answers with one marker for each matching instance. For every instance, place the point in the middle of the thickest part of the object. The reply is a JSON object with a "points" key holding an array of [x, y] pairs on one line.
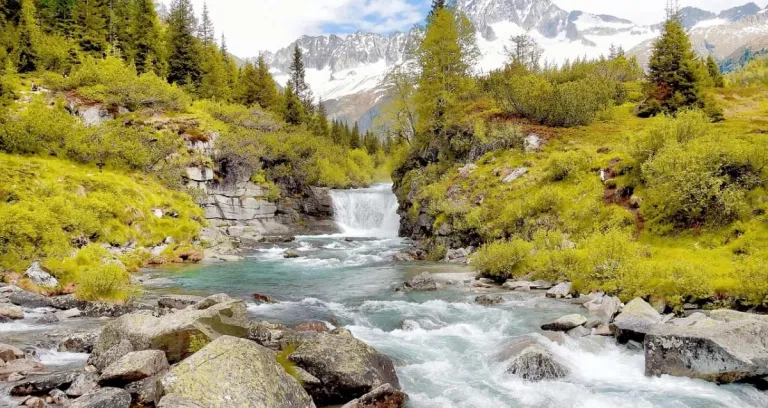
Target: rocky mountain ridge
{"points": [[349, 71]]}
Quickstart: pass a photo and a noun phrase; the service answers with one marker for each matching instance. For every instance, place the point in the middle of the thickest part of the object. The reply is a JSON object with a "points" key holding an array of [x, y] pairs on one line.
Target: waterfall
{"points": [[366, 212]]}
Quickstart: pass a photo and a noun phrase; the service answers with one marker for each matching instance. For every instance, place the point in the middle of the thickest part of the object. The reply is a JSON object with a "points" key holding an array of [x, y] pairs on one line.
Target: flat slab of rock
{"points": [[726, 315], [10, 311], [42, 384], [559, 291], [565, 323], [21, 297], [635, 320], [134, 366], [177, 401], [232, 372], [421, 283], [178, 301], [723, 353], [347, 367], [384, 396], [103, 398]]}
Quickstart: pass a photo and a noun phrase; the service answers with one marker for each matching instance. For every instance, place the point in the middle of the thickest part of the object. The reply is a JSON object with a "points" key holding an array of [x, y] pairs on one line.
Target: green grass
{"points": [[288, 365]]}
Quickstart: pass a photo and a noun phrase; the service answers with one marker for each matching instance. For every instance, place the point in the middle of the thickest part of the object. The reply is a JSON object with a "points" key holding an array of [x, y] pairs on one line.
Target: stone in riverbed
{"points": [[19, 367], [103, 398], [565, 323], [488, 300], [79, 342], [134, 366], [535, 363], [178, 301], [291, 254], [559, 291], [316, 327], [82, 384], [723, 353], [636, 319], [347, 367], [21, 297], [605, 307], [10, 311], [726, 315], [114, 353], [261, 298], [9, 353], [384, 396], [235, 372], [423, 282], [146, 392], [43, 384], [67, 314]]}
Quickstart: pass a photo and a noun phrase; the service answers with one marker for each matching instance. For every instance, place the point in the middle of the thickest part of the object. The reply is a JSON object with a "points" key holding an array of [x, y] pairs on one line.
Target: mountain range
{"points": [[348, 72]]}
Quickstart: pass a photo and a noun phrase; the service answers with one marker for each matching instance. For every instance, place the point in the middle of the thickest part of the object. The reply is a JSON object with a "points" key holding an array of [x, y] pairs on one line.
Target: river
{"points": [[445, 346]]}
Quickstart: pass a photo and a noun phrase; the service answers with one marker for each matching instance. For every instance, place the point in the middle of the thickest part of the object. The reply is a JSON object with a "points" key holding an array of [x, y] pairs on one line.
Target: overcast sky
{"points": [[255, 25]]}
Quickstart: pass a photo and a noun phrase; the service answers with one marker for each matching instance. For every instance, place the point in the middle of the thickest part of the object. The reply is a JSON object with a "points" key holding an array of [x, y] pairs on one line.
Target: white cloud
{"points": [[255, 25]]}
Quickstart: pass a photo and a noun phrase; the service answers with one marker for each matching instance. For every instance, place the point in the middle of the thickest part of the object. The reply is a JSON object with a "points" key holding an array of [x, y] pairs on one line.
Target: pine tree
{"points": [[294, 110], [354, 141], [184, 48], [446, 58], [674, 82], [145, 36], [55, 16], [224, 49], [256, 86], [206, 32], [320, 126], [214, 83], [298, 79], [92, 33], [714, 73], [436, 6], [28, 56], [337, 134]]}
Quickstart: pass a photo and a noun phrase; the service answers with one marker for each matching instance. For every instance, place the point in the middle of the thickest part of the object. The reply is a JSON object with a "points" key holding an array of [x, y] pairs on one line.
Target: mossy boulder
{"points": [[173, 333], [134, 366], [346, 367], [232, 372]]}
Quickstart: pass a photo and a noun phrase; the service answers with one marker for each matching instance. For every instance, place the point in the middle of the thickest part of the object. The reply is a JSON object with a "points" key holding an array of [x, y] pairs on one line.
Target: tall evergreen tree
{"points": [[446, 58], [337, 134], [355, 141], [145, 36], [298, 79], [223, 48], [436, 6], [183, 47], [206, 32], [92, 33], [320, 125], [28, 56], [256, 86], [674, 80], [214, 83], [714, 72], [294, 113]]}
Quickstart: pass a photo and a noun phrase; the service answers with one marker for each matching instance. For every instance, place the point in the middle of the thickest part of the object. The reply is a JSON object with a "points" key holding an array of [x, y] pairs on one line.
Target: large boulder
{"points": [[21, 297], [84, 383], [79, 342], [173, 334], [9, 353], [104, 359], [565, 323], [727, 315], [420, 283], [41, 278], [636, 319], [103, 398], [146, 392], [346, 367], [723, 353], [134, 366], [531, 361], [384, 396], [10, 311], [605, 307], [177, 401], [232, 372]]}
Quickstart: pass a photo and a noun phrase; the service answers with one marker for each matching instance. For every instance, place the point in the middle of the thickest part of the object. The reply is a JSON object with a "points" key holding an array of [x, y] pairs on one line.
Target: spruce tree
{"points": [[298, 79], [214, 83], [206, 32], [436, 6], [183, 47], [714, 73], [92, 33], [674, 80], [28, 56], [321, 121], [354, 141], [145, 36], [223, 48], [294, 110], [337, 134]]}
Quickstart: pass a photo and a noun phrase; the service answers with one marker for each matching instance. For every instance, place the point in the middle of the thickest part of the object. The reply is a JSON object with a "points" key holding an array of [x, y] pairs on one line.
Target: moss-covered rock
{"points": [[346, 367], [232, 372]]}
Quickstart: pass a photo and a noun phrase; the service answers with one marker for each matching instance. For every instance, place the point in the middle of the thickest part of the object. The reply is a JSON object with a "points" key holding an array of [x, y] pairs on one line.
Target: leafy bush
{"points": [[562, 165], [112, 82], [753, 74], [502, 260]]}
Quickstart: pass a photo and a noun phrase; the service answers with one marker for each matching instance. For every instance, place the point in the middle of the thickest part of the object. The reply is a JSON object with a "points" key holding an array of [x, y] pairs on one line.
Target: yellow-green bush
{"points": [[48, 205], [502, 260]]}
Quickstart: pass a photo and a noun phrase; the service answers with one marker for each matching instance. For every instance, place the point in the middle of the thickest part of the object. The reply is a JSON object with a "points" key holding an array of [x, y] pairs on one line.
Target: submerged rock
{"points": [[723, 353], [347, 367], [291, 254], [421, 283], [232, 372], [178, 301], [384, 396], [636, 319], [565, 323], [536, 363], [488, 300]]}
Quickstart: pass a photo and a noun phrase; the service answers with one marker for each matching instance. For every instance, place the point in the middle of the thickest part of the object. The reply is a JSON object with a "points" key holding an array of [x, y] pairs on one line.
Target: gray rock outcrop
{"points": [[384, 396], [103, 398], [565, 323], [41, 278], [636, 319], [723, 353], [134, 366]]}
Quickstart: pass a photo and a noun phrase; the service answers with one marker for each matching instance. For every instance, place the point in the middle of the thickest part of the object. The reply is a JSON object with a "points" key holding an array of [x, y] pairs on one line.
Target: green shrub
{"points": [[105, 282], [608, 258], [502, 260], [288, 365], [562, 165]]}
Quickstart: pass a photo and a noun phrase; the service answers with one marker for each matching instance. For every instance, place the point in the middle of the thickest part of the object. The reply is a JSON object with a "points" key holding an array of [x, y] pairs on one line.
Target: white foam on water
{"points": [[58, 358], [17, 326], [366, 212]]}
